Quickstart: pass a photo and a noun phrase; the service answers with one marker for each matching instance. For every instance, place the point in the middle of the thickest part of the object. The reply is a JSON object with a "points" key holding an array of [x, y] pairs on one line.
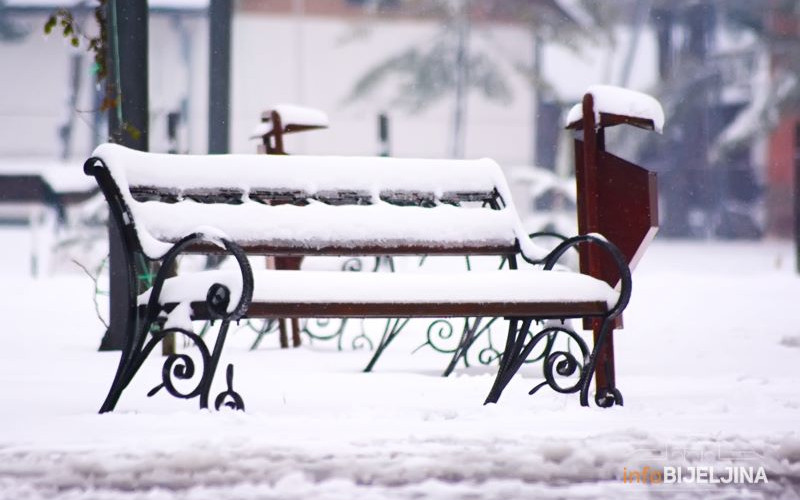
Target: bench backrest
{"points": [[304, 205]]}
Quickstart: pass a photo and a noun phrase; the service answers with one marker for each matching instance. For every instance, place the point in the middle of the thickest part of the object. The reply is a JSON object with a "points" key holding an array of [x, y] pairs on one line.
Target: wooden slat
{"points": [[539, 310], [387, 248], [154, 193], [277, 196]]}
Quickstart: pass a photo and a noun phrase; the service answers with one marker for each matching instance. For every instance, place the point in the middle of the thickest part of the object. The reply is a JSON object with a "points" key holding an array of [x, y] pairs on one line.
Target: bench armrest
{"points": [[218, 296], [625, 282]]}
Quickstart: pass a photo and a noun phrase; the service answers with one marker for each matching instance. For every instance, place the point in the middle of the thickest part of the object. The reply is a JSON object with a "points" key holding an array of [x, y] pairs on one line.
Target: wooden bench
{"points": [[244, 205]]}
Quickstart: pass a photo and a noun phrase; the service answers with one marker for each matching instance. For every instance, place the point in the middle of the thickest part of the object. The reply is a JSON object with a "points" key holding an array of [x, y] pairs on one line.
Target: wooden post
{"points": [[383, 135], [797, 194], [586, 177], [616, 199], [272, 143]]}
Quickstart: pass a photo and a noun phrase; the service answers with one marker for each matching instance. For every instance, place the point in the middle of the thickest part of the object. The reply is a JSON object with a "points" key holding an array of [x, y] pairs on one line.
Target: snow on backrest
{"points": [[316, 204]]}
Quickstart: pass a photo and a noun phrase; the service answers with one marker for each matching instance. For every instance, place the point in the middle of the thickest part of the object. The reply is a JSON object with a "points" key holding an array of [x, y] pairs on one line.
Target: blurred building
{"points": [[309, 52], [315, 52], [51, 98], [782, 26]]}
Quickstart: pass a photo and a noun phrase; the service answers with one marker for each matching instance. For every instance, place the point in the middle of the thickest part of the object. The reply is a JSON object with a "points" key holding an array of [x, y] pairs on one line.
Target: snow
{"points": [[303, 173], [702, 364], [316, 225], [620, 101], [290, 114], [406, 288]]}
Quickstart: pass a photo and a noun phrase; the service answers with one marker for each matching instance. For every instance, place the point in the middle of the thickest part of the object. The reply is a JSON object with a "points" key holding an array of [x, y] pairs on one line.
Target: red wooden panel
{"points": [[627, 204]]}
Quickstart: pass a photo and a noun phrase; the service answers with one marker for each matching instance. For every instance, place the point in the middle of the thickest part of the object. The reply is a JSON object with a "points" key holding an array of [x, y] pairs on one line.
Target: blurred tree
{"points": [[450, 65], [728, 74], [776, 27]]}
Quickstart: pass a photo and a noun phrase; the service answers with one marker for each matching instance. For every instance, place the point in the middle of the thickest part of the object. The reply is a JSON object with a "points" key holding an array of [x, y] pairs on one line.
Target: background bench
{"points": [[273, 205]]}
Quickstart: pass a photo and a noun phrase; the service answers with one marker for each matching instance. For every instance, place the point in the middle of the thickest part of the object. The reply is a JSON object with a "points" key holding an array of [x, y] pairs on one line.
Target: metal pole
{"points": [[127, 125], [383, 135], [219, 20]]}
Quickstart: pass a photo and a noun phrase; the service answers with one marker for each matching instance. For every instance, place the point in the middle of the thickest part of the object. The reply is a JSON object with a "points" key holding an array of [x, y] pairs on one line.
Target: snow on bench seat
{"points": [[317, 204], [324, 293]]}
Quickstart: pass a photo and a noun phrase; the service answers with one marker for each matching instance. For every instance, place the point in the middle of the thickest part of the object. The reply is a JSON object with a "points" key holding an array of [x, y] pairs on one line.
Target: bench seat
{"points": [[281, 294]]}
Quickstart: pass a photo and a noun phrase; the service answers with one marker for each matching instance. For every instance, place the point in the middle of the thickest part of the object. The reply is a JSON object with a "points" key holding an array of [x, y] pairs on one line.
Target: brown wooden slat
{"points": [[155, 193], [407, 198], [611, 119], [539, 310], [389, 248], [215, 196]]}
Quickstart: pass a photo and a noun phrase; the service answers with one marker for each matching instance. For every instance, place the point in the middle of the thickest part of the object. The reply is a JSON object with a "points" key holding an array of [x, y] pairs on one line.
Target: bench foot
{"points": [[601, 364], [177, 370], [558, 364], [229, 398], [181, 367]]}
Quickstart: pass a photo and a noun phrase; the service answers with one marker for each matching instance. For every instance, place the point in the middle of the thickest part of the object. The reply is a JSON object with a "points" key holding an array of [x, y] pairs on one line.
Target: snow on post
{"points": [[620, 102], [291, 116]]}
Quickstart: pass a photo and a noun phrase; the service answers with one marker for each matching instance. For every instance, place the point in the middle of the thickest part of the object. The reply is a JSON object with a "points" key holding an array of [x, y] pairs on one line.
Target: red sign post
{"points": [[616, 199], [279, 123]]}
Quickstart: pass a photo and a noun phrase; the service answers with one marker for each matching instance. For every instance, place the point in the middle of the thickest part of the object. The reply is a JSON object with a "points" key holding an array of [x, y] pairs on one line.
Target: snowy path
{"points": [[708, 365]]}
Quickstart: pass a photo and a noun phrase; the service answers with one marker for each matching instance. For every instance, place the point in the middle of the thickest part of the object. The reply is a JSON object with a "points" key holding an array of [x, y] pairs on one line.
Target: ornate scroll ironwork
{"points": [[564, 363], [393, 328], [262, 328], [144, 334], [561, 363]]}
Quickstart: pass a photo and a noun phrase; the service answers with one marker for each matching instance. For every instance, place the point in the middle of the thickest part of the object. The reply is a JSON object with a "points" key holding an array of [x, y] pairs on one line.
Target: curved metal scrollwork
{"points": [[608, 396], [560, 363], [181, 367], [489, 355], [262, 328], [440, 330], [353, 264]]}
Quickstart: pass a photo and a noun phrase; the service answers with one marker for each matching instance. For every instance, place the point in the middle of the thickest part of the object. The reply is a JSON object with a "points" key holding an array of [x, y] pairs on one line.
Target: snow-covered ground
{"points": [[709, 364]]}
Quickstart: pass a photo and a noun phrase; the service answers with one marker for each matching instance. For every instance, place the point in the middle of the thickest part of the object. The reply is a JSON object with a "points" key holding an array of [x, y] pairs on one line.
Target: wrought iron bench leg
{"points": [[127, 363], [393, 328], [563, 363], [515, 342], [601, 361], [182, 367], [468, 337]]}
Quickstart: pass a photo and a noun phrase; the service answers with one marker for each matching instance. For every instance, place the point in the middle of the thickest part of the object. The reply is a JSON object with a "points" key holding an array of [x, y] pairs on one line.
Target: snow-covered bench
{"points": [[278, 205]]}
